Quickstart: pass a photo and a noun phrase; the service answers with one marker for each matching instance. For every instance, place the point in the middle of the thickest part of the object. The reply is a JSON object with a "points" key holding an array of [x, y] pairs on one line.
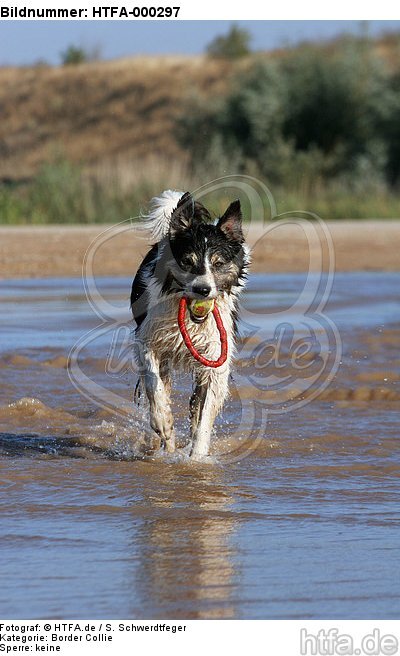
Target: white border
{"points": [[224, 10]]}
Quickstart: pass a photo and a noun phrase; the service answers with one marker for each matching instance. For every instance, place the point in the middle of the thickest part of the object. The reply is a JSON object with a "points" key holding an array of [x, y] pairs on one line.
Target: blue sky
{"points": [[26, 42]]}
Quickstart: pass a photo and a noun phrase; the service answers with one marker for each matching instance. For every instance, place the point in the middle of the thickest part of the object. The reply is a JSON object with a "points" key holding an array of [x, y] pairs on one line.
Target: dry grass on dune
{"points": [[93, 112], [98, 110], [90, 143]]}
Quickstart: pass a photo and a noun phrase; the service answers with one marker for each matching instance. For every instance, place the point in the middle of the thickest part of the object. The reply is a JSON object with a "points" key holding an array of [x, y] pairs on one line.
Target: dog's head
{"points": [[207, 259]]}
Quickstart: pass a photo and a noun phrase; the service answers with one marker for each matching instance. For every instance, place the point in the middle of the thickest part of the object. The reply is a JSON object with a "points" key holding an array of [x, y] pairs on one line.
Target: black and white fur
{"points": [[199, 259]]}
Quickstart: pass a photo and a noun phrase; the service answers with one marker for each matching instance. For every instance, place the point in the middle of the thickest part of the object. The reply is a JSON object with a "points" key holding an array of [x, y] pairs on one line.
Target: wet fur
{"points": [[192, 254]]}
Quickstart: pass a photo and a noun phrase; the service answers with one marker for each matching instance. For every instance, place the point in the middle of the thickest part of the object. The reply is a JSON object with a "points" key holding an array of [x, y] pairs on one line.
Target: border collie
{"points": [[199, 259]]}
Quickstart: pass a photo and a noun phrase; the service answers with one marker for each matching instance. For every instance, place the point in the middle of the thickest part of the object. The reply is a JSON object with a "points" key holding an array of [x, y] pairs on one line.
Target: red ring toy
{"points": [[186, 337]]}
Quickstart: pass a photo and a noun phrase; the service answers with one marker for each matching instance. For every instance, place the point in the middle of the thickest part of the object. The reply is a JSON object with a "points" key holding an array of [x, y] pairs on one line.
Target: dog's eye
{"points": [[187, 261], [219, 264]]}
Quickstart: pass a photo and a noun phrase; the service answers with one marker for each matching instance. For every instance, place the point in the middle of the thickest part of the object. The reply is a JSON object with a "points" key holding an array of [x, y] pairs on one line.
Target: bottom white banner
{"points": [[275, 637]]}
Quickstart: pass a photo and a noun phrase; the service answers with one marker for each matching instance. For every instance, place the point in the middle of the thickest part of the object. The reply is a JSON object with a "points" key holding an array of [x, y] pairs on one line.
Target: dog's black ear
{"points": [[182, 216], [231, 222]]}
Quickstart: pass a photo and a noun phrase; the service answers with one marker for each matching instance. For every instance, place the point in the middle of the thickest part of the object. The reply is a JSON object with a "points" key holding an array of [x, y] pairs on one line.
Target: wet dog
{"points": [[198, 259]]}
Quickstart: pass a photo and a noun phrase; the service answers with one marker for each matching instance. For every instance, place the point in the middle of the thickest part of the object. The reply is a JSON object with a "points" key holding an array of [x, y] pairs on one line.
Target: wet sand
{"points": [[44, 251], [296, 520]]}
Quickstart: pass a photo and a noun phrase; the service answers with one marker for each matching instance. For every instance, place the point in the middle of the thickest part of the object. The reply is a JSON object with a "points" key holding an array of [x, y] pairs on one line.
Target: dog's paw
{"points": [[197, 456]]}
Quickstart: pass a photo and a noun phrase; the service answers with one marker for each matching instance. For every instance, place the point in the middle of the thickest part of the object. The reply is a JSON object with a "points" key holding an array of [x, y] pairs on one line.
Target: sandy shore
{"points": [[43, 251]]}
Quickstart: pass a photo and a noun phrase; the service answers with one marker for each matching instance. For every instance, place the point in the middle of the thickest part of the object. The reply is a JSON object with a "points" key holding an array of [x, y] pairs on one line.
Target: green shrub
{"points": [[303, 119], [74, 55], [234, 44], [11, 206]]}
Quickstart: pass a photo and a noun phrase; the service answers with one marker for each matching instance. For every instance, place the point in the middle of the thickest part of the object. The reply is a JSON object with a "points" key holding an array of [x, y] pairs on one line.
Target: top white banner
{"points": [[133, 10]]}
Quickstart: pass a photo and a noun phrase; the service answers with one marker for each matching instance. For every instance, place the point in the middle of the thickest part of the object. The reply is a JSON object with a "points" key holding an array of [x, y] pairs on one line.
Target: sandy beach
{"points": [[43, 251]]}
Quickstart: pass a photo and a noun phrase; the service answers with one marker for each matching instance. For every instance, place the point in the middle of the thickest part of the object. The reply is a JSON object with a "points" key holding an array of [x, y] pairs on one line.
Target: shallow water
{"points": [[300, 520]]}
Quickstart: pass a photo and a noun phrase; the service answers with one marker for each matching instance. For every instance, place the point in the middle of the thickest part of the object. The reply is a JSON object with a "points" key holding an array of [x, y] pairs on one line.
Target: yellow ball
{"points": [[201, 308]]}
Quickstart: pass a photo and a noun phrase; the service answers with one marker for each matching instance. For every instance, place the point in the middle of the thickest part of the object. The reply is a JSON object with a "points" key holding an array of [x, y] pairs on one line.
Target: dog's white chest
{"points": [[161, 334]]}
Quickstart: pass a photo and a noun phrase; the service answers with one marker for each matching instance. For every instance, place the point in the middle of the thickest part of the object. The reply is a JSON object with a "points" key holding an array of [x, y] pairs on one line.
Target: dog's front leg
{"points": [[208, 398], [161, 419], [196, 404]]}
